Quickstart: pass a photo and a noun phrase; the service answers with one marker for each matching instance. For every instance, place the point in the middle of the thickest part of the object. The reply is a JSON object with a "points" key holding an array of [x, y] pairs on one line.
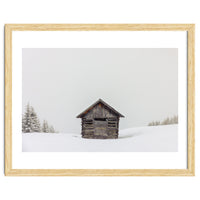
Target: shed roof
{"points": [[98, 102]]}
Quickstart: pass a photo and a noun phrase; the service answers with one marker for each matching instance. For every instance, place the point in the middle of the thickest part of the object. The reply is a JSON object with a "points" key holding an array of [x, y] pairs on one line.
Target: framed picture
{"points": [[99, 99]]}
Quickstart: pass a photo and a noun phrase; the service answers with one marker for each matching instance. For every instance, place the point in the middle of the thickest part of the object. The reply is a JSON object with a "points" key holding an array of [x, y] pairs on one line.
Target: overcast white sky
{"points": [[142, 84]]}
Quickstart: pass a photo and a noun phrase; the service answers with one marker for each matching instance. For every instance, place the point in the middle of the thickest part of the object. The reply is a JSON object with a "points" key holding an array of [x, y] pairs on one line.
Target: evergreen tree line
{"points": [[31, 122], [167, 121]]}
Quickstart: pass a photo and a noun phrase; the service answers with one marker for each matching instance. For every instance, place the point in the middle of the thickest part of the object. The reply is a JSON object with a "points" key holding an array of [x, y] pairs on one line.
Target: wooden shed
{"points": [[100, 121]]}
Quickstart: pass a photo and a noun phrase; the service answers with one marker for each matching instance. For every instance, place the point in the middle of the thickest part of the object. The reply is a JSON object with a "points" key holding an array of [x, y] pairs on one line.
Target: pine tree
{"points": [[23, 123], [26, 120], [35, 125], [166, 121], [51, 129], [45, 127], [30, 121]]}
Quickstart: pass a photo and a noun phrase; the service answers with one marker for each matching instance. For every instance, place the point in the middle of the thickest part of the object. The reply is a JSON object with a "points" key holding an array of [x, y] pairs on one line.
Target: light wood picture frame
{"points": [[190, 171]]}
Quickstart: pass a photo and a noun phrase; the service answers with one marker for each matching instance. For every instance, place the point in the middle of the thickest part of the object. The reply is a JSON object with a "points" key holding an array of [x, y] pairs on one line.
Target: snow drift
{"points": [[142, 139]]}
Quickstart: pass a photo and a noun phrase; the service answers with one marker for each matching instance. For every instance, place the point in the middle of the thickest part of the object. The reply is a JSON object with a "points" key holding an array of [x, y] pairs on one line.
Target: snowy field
{"points": [[143, 139]]}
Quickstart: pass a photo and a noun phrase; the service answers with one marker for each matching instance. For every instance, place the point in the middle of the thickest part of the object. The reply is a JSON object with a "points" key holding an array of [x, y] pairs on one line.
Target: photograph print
{"points": [[100, 100]]}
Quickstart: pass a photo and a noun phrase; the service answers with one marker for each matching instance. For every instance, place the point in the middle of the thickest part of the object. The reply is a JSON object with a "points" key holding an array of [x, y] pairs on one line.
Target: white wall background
{"points": [[88, 11]]}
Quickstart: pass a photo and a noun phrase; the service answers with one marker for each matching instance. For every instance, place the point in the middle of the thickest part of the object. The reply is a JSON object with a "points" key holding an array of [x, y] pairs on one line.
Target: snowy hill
{"points": [[142, 139]]}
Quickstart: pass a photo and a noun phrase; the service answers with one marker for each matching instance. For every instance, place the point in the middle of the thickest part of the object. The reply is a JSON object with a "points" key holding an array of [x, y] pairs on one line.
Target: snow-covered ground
{"points": [[143, 139]]}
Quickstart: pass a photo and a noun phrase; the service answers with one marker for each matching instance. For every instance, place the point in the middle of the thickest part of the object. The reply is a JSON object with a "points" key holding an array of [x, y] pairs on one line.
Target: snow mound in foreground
{"points": [[142, 139]]}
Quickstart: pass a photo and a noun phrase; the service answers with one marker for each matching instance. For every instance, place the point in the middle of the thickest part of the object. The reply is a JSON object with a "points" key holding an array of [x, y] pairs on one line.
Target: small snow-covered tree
{"points": [[30, 121], [167, 121], [176, 119], [23, 123], [157, 123], [45, 127], [27, 120], [51, 129], [35, 125], [154, 123]]}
